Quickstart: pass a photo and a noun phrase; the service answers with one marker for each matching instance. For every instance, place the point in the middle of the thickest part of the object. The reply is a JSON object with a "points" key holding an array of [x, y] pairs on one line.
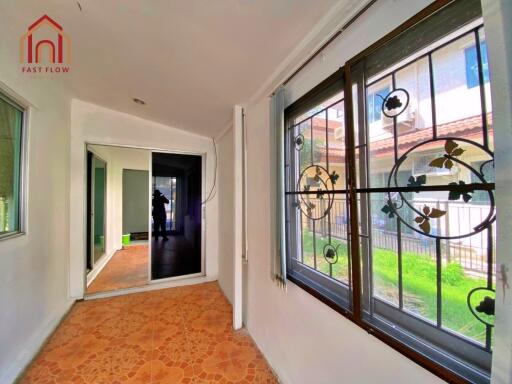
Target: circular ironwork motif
{"points": [[395, 103], [299, 142], [481, 303], [330, 253], [319, 185], [402, 205]]}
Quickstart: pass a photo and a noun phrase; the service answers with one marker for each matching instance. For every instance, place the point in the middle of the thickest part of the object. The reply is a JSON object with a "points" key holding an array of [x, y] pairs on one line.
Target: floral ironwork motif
{"points": [[390, 208], [424, 215], [330, 253], [423, 220], [452, 150], [316, 178], [395, 103], [392, 103], [417, 181], [456, 195], [334, 177], [484, 307], [299, 142]]}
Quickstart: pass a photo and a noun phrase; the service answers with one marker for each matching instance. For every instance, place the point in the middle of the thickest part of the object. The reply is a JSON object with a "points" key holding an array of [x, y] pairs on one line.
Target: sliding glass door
{"points": [[97, 183], [176, 220]]}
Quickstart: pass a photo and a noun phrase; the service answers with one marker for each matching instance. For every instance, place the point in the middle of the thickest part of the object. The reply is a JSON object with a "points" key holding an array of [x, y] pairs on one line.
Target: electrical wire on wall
{"points": [[213, 190]]}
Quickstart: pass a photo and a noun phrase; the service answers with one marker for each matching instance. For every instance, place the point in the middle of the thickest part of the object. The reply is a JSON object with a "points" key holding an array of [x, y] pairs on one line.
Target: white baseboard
{"points": [[33, 345], [151, 287], [99, 266]]}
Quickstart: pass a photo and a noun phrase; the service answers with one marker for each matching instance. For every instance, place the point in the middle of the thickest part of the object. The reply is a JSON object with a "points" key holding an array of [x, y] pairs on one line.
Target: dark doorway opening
{"points": [[176, 213]]}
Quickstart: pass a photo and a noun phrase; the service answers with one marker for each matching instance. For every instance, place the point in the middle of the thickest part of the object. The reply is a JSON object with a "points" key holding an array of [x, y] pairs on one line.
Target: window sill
{"points": [[388, 335], [11, 235]]}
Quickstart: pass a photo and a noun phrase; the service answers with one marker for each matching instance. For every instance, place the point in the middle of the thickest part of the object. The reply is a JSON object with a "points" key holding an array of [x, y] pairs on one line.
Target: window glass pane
{"points": [[10, 156], [419, 275], [318, 108], [487, 86], [320, 138], [384, 251], [305, 156], [430, 205], [317, 217], [464, 269], [380, 133], [310, 244], [335, 162], [338, 217], [454, 80], [415, 123]]}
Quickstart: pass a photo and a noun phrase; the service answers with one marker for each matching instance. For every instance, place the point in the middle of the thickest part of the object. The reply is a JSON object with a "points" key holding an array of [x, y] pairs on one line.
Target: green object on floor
{"points": [[126, 239]]}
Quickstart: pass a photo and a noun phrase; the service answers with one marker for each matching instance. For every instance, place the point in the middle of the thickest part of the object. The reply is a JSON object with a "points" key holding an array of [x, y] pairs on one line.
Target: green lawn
{"points": [[419, 283]]}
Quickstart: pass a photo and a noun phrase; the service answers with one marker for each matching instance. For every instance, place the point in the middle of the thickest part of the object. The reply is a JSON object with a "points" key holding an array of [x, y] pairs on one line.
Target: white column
{"points": [[238, 212]]}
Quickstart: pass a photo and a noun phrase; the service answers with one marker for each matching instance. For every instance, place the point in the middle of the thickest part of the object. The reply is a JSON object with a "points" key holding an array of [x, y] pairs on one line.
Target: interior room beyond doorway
{"points": [[117, 218]]}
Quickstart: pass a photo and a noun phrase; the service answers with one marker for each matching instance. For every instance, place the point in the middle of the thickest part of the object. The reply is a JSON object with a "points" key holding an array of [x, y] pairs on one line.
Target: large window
{"points": [[391, 221], [11, 141]]}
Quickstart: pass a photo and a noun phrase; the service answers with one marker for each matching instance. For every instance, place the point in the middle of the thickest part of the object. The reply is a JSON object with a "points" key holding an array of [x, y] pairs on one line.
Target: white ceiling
{"points": [[190, 60]]}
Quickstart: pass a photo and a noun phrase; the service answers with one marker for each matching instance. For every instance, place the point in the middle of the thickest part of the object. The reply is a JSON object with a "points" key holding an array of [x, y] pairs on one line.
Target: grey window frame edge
{"points": [[24, 108]]}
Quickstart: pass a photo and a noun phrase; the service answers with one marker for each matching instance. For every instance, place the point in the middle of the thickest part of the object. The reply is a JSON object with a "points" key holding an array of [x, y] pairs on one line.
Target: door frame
{"points": [[203, 215], [203, 155]]}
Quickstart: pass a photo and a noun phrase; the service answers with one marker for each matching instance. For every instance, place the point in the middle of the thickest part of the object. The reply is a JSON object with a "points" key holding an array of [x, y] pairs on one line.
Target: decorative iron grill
{"points": [[443, 216]]}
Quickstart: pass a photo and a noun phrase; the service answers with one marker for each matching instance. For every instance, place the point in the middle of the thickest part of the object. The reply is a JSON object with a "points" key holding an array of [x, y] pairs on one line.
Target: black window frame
{"points": [[438, 350]]}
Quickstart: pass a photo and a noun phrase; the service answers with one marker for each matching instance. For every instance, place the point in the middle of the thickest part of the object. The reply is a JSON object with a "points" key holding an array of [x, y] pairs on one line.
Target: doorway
{"points": [[176, 244], [118, 247]]}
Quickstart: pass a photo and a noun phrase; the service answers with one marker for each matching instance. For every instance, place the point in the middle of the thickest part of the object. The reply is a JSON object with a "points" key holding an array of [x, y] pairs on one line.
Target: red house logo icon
{"points": [[52, 46]]}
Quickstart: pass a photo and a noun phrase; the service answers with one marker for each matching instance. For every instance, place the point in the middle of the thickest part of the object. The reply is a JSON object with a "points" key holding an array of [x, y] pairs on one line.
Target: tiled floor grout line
{"points": [[179, 335], [185, 328], [152, 347]]}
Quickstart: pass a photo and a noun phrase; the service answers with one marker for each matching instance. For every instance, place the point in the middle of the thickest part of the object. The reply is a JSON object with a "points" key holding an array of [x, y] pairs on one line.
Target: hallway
{"points": [[177, 335]]}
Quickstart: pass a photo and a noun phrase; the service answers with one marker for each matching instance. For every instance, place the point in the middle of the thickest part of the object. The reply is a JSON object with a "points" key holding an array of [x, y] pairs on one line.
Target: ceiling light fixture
{"points": [[139, 101]]}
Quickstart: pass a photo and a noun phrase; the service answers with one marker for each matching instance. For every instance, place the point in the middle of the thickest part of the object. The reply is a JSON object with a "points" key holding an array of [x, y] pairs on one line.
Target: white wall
{"points": [[34, 267], [225, 184], [303, 339], [93, 124]]}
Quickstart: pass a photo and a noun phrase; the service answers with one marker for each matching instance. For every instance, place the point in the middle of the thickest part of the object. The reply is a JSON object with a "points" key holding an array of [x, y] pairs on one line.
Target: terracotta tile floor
{"points": [[127, 268], [176, 335]]}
